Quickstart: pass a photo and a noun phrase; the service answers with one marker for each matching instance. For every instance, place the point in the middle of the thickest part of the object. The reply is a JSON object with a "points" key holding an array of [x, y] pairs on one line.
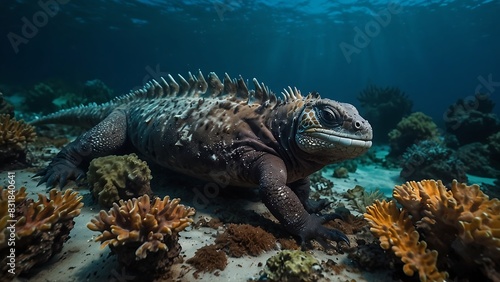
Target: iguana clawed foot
{"points": [[59, 172]]}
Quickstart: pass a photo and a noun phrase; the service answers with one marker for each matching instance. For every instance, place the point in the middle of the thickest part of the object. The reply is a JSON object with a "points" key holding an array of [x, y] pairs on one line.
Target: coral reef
{"points": [[477, 159], [40, 229], [143, 234], [410, 130], [97, 91], [472, 120], [112, 178], [5, 107], [14, 138], [494, 149], [208, 259], [460, 226], [244, 239], [292, 266], [360, 198], [384, 107], [432, 160], [40, 97]]}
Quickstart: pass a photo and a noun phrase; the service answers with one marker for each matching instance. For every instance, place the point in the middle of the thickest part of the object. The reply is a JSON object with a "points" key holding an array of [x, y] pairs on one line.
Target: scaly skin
{"points": [[208, 129]]}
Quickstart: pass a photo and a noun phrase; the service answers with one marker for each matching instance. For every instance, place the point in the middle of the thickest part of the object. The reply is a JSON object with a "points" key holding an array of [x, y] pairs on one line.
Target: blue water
{"points": [[435, 51]]}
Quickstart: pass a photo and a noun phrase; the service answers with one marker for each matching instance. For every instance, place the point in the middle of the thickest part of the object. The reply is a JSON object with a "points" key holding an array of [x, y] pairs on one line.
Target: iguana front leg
{"points": [[72, 161], [301, 188], [286, 206]]}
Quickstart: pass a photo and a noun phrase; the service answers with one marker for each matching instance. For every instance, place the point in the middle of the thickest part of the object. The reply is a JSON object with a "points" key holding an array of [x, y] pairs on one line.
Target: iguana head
{"points": [[330, 131]]}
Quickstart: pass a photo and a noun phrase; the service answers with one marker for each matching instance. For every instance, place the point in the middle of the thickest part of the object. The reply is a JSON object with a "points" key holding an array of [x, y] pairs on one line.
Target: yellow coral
{"points": [[395, 230], [14, 136], [462, 223], [139, 220], [118, 177]]}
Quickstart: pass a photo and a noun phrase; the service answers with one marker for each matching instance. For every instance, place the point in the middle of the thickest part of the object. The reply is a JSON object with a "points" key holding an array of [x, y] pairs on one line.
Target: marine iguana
{"points": [[204, 127]]}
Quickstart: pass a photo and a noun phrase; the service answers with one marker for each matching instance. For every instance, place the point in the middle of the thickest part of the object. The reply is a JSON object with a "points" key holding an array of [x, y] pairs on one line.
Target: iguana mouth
{"points": [[343, 139]]}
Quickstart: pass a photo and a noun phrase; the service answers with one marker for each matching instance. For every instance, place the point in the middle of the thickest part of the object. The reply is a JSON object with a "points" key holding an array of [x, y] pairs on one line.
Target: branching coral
{"points": [[118, 177], [41, 227], [142, 233], [461, 224], [14, 138], [396, 231]]}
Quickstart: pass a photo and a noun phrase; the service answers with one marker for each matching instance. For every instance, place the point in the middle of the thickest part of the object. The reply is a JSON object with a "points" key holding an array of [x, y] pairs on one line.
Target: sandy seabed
{"points": [[82, 259]]}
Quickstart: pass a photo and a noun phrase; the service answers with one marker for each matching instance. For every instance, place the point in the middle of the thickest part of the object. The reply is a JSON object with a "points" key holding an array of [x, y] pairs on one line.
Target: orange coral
{"points": [[42, 214], [41, 227], [17, 196], [462, 224], [395, 231], [137, 220], [14, 135]]}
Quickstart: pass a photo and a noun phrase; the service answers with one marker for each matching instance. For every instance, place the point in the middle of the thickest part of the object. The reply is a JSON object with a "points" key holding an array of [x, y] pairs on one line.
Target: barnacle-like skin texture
{"points": [[223, 133], [461, 224], [41, 227], [143, 233], [14, 138], [112, 178]]}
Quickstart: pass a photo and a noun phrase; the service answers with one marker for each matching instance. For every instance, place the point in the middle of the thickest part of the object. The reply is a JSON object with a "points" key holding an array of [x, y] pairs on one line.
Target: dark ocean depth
{"points": [[434, 51]]}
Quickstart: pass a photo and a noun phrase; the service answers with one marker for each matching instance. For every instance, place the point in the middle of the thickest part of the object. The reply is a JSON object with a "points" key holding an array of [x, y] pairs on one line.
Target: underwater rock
{"points": [[438, 229], [143, 234], [41, 227], [292, 265], [14, 138], [472, 120], [370, 257], [6, 107], [340, 172], [244, 239], [384, 107], [432, 160], [410, 130], [112, 178]]}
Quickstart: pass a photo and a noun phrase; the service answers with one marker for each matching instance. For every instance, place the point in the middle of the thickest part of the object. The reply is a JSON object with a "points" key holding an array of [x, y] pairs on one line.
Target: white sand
{"points": [[82, 259]]}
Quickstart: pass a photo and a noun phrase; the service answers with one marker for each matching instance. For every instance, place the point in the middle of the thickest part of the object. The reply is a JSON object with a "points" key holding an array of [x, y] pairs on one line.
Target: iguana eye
{"points": [[328, 117]]}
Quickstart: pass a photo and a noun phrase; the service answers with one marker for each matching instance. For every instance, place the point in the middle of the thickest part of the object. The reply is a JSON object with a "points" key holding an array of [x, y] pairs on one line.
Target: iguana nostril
{"points": [[357, 125]]}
